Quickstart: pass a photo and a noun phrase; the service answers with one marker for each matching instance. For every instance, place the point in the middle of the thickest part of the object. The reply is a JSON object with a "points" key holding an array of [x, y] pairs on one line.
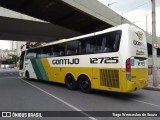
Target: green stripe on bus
{"points": [[36, 69], [41, 69]]}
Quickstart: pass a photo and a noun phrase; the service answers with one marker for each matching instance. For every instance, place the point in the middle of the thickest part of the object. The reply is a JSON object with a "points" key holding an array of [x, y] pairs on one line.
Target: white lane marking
{"points": [[59, 99], [145, 102]]}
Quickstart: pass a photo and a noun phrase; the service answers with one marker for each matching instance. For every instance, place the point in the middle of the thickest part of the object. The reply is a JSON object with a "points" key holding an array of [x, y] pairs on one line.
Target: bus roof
{"points": [[119, 27]]}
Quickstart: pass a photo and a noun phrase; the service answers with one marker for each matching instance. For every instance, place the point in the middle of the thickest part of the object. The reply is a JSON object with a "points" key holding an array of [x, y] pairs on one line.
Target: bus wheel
{"points": [[27, 75], [70, 82], [85, 84]]}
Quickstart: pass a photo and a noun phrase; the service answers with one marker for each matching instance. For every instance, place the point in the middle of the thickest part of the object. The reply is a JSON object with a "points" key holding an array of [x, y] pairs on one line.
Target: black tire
{"points": [[27, 75], [85, 84], [70, 82]]}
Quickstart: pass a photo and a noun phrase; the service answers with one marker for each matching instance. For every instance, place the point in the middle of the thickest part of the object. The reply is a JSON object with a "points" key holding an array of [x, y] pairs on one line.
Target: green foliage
{"points": [[11, 61]]}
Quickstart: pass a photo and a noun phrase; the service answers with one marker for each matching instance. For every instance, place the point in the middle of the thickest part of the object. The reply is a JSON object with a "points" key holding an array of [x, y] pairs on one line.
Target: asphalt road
{"points": [[17, 94]]}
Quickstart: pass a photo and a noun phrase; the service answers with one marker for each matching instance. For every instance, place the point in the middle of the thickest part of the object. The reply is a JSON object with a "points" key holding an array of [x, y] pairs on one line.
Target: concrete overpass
{"points": [[67, 18], [25, 30]]}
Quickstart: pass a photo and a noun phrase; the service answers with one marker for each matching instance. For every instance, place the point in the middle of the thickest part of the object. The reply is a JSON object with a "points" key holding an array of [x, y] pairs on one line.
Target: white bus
{"points": [[115, 59]]}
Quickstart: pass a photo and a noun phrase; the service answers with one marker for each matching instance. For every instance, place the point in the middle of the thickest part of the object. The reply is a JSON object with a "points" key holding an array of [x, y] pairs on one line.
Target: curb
{"points": [[152, 88]]}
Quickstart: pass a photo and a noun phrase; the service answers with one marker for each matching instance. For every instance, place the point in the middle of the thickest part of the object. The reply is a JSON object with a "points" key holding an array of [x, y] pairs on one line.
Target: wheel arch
{"points": [[68, 75], [84, 83], [70, 81], [26, 72], [27, 75], [81, 76]]}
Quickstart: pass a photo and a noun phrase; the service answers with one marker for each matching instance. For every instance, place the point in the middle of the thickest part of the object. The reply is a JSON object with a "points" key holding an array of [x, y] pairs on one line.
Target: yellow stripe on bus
{"points": [[49, 70], [112, 79]]}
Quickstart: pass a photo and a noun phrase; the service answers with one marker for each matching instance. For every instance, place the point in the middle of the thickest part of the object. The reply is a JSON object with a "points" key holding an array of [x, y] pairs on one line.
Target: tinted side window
{"points": [[72, 48], [87, 46], [38, 52], [117, 40], [31, 54], [59, 50], [103, 43], [46, 51], [108, 42]]}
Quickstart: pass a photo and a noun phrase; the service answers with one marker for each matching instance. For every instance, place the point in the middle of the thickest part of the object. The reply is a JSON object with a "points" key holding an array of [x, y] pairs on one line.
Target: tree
{"points": [[11, 60]]}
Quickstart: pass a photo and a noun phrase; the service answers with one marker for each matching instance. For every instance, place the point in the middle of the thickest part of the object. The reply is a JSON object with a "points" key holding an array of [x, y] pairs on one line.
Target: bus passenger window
{"points": [[108, 49], [59, 50], [72, 48], [70, 52], [55, 54], [117, 40], [61, 53], [31, 54], [46, 51], [108, 42], [88, 46], [39, 53], [103, 45]]}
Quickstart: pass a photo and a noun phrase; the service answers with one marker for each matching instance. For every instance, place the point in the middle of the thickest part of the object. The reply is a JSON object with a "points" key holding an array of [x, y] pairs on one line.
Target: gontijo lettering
{"points": [[137, 43], [65, 61]]}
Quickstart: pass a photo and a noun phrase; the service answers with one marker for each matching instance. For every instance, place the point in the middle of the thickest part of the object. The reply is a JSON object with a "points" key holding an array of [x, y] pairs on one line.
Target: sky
{"points": [[136, 12], [4, 45], [133, 10]]}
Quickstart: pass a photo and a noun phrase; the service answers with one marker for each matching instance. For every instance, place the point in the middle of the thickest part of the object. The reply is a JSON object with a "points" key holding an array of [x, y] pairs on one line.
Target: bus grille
{"points": [[109, 78]]}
